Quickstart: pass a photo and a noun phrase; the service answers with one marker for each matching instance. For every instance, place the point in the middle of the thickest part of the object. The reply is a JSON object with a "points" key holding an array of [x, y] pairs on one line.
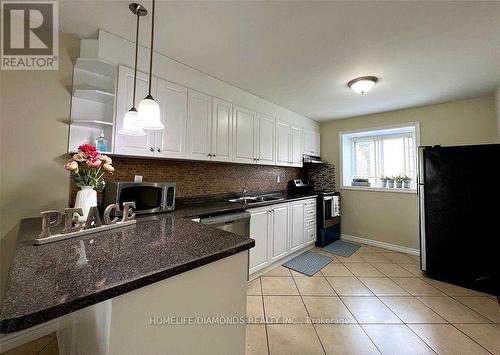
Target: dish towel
{"points": [[335, 206]]}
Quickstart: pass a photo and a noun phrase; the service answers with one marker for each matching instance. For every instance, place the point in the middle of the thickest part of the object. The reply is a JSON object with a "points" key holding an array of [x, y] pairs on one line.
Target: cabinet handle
{"points": [[158, 150], [209, 155], [152, 149], [214, 155]]}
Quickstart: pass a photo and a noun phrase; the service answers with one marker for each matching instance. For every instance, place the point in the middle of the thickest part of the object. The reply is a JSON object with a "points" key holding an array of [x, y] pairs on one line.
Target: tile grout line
{"points": [[265, 322], [488, 318], [453, 325]]}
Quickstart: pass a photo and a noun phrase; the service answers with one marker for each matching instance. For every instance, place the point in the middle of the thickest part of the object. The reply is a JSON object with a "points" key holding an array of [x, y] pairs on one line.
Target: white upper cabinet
{"points": [[244, 135], [296, 146], [222, 126], [266, 151], [282, 143], [171, 141], [311, 143], [199, 126], [130, 145]]}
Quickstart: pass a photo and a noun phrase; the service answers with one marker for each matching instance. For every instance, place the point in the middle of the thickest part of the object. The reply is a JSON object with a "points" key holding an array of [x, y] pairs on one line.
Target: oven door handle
{"points": [[327, 198]]}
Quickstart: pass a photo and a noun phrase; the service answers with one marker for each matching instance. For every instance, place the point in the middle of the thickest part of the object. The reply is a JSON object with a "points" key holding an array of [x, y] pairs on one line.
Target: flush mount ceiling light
{"points": [[362, 84], [131, 125], [149, 110]]}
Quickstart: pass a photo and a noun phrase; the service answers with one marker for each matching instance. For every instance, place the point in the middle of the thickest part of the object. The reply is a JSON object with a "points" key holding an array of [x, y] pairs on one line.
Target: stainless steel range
{"points": [[328, 210]]}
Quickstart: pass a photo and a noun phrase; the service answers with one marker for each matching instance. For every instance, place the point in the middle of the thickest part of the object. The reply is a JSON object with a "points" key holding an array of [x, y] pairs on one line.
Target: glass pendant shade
{"points": [[131, 124], [149, 114]]}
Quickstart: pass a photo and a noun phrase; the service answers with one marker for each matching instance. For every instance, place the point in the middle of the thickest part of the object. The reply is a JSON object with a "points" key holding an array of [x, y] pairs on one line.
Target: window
{"points": [[369, 156]]}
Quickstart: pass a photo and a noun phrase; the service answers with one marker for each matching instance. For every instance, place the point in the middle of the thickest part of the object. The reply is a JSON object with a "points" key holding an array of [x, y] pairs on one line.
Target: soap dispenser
{"points": [[101, 143]]}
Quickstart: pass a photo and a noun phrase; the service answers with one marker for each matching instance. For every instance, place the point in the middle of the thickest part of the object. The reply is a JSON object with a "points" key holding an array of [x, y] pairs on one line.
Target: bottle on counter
{"points": [[101, 143]]}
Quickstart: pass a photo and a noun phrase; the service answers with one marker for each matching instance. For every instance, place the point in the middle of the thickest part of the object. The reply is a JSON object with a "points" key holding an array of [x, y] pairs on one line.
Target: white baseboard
{"points": [[383, 245], [13, 340]]}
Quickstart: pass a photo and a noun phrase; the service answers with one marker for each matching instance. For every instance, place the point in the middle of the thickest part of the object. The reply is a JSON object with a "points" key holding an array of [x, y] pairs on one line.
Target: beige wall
{"points": [[34, 115], [393, 217], [497, 101]]}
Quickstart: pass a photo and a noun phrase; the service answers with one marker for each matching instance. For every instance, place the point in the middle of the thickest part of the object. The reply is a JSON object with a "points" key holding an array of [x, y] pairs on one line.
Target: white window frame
{"points": [[343, 134]]}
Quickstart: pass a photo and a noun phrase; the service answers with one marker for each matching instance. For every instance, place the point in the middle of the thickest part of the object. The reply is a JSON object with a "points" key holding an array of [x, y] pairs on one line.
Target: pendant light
{"points": [[131, 125], [149, 111]]}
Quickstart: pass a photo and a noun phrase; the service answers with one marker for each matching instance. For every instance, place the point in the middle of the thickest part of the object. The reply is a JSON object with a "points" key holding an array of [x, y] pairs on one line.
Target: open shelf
{"points": [[96, 66], [91, 123], [94, 95]]}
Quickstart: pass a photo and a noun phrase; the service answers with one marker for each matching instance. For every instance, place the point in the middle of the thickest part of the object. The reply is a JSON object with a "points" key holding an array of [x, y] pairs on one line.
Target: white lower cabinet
{"points": [[279, 230]]}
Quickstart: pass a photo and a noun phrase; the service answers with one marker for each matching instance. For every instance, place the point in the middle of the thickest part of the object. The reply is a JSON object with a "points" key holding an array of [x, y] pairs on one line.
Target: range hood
{"points": [[311, 159]]}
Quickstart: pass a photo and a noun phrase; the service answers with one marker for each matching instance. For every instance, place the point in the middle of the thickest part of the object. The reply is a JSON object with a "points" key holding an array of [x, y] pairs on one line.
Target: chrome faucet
{"points": [[244, 192]]}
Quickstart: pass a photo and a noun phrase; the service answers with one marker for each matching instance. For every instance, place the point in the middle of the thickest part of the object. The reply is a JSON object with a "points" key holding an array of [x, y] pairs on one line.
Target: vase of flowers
{"points": [[88, 168]]}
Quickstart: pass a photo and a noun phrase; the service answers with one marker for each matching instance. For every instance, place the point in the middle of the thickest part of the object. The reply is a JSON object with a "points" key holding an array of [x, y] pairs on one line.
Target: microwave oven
{"points": [[149, 197]]}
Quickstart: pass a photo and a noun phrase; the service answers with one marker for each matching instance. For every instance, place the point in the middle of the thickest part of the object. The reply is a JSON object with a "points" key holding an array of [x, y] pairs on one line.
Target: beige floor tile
{"points": [[370, 310], [253, 288], [293, 339], [348, 286], [400, 258], [298, 274], [336, 269], [345, 339], [314, 286], [370, 249], [452, 290], [375, 258], [445, 339], [33, 347], [363, 269], [488, 335], [411, 310], [256, 340], [276, 285], [396, 339], [285, 309], [393, 270], [414, 269], [484, 306], [416, 286], [255, 309], [51, 349], [327, 310], [278, 271], [383, 286], [354, 258], [452, 310]]}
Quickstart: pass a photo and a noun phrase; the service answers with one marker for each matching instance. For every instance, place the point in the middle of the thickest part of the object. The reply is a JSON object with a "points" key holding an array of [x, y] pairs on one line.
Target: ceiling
{"points": [[301, 54]]}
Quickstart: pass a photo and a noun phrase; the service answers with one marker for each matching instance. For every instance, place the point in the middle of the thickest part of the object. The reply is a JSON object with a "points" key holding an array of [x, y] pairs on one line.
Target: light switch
{"points": [[138, 178], [278, 179]]}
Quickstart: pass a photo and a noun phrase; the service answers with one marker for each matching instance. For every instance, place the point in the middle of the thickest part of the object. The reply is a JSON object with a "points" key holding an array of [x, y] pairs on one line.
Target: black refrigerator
{"points": [[459, 201]]}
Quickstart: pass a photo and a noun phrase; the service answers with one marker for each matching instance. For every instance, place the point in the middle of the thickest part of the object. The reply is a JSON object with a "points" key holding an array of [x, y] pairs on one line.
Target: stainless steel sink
{"points": [[268, 198], [256, 199], [246, 199]]}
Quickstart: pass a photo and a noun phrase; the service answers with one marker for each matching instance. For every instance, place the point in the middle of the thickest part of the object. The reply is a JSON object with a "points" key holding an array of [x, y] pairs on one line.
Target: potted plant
{"points": [[88, 168], [390, 182], [399, 181], [406, 181], [383, 180]]}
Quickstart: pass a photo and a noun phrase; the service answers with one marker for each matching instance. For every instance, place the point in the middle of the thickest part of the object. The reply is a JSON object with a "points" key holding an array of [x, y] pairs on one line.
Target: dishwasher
{"points": [[237, 223]]}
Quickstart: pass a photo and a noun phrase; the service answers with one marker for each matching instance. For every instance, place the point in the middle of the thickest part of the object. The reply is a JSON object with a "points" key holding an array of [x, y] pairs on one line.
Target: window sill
{"points": [[380, 189]]}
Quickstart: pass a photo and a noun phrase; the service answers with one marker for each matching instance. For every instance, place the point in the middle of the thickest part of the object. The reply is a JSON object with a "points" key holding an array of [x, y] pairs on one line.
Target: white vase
{"points": [[85, 198]]}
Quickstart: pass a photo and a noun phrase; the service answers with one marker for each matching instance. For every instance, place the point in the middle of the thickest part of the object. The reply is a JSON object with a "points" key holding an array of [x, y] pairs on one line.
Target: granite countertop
{"points": [[51, 280]]}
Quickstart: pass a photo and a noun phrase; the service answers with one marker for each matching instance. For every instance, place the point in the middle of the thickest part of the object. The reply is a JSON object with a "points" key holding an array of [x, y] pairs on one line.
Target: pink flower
{"points": [[71, 166], [93, 162], [106, 159], [80, 157], [89, 150], [108, 167]]}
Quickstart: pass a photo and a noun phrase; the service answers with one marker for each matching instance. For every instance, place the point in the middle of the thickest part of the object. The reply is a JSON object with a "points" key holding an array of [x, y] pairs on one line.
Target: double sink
{"points": [[252, 200]]}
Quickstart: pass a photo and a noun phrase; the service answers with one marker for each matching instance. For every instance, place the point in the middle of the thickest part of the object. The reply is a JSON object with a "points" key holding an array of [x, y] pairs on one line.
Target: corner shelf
{"points": [[96, 66], [94, 95], [91, 123]]}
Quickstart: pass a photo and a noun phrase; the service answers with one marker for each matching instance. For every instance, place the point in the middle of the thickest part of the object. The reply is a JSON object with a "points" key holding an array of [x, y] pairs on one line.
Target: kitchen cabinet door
{"points": [[297, 232], [244, 135], [259, 231], [266, 140], [171, 141], [311, 143], [296, 146], [130, 145], [199, 126], [280, 228], [282, 144], [222, 128]]}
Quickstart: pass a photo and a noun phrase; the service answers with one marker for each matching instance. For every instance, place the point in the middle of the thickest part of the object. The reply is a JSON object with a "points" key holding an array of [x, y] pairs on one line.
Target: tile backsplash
{"points": [[195, 178]]}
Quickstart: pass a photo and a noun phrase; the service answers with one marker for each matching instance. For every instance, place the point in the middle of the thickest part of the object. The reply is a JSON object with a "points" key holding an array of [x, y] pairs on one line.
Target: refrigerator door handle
{"points": [[421, 203]]}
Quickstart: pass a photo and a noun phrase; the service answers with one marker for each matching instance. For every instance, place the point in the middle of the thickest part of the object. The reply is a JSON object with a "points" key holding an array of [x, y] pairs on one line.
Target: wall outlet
{"points": [[138, 178], [278, 179]]}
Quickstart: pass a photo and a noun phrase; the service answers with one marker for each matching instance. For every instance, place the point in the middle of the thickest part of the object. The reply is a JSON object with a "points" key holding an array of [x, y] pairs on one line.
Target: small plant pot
{"points": [[406, 184], [384, 183], [399, 184], [390, 184]]}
